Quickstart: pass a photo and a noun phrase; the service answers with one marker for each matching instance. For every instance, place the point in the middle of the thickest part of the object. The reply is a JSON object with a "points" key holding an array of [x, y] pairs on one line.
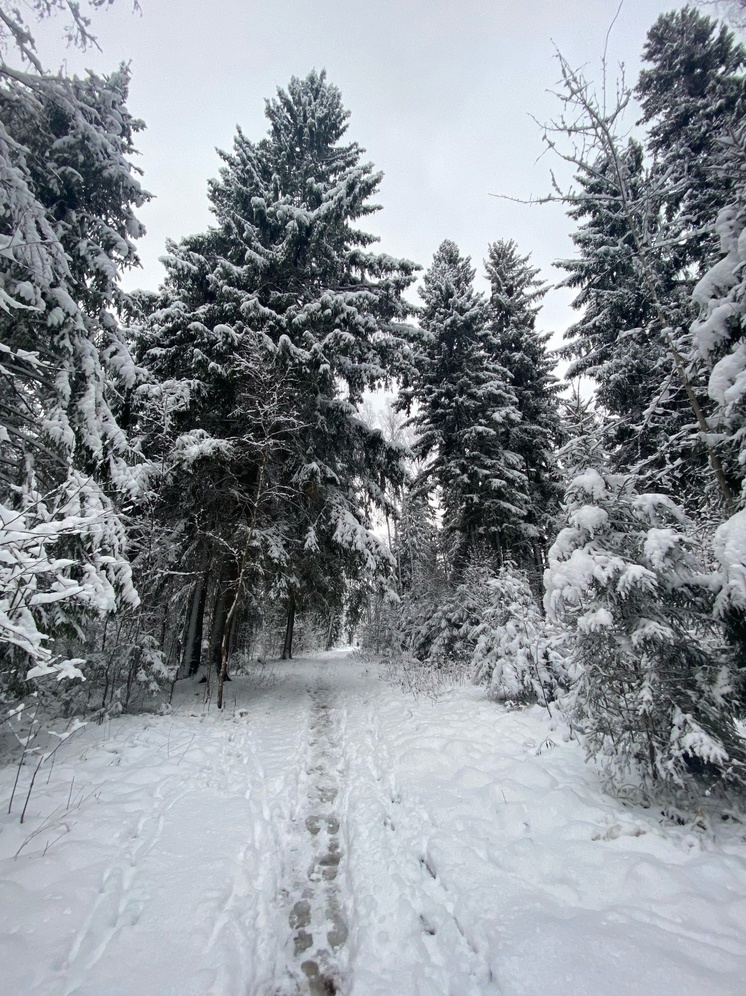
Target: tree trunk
{"points": [[229, 619], [233, 633], [222, 605], [330, 633], [193, 648], [232, 603], [287, 650], [397, 541]]}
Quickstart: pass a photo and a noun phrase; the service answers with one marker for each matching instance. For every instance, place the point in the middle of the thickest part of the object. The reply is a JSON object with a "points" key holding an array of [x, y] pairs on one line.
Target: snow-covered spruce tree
{"points": [[657, 692], [284, 262], [222, 443], [615, 342], [68, 224], [632, 337], [465, 408], [510, 653], [693, 94], [521, 350], [480, 371], [692, 90], [582, 434], [718, 333], [334, 543], [719, 342]]}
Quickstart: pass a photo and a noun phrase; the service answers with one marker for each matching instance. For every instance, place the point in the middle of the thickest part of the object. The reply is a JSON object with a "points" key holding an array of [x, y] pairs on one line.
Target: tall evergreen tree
{"points": [[617, 340], [719, 343], [636, 290], [465, 409], [69, 197], [521, 349], [286, 263], [693, 93]]}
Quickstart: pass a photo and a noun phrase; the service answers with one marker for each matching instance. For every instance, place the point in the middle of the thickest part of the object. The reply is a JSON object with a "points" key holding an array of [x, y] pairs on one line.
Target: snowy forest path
{"points": [[317, 917], [327, 833]]}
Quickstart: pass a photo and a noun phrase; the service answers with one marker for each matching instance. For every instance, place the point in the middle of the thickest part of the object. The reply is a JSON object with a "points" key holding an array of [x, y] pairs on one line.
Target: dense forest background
{"points": [[190, 478]]}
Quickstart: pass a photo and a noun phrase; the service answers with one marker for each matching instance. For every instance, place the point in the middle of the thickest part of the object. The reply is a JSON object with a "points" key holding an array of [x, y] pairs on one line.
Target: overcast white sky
{"points": [[441, 94]]}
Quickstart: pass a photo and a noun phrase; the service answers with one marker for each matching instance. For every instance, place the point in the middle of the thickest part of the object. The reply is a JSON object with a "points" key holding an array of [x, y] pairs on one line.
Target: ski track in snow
{"points": [[328, 834]]}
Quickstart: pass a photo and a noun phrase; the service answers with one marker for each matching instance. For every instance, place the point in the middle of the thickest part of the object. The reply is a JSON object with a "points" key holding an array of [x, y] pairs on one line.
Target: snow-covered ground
{"points": [[328, 833]]}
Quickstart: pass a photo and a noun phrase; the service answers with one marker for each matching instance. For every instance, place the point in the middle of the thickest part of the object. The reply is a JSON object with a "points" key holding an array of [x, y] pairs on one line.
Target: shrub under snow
{"points": [[510, 650], [656, 693]]}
